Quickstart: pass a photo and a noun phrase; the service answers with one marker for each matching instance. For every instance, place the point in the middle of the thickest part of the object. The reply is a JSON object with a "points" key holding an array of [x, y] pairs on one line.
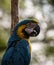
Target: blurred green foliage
{"points": [[4, 35], [49, 51], [5, 5], [22, 4], [51, 2], [37, 2]]}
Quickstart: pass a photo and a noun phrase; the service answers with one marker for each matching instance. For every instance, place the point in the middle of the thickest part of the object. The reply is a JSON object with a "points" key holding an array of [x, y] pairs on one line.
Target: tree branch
{"points": [[14, 14]]}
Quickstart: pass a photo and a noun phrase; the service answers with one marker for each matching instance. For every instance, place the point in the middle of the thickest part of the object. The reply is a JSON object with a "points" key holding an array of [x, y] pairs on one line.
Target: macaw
{"points": [[18, 51]]}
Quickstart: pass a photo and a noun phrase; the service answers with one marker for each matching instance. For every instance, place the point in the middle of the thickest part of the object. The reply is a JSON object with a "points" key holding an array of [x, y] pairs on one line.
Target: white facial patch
{"points": [[29, 30]]}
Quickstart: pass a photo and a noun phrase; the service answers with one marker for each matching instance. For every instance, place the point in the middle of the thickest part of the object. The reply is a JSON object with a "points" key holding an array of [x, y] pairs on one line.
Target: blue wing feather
{"points": [[17, 55]]}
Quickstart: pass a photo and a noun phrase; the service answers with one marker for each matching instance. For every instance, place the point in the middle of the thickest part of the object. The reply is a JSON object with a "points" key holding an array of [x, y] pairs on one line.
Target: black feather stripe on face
{"points": [[26, 35]]}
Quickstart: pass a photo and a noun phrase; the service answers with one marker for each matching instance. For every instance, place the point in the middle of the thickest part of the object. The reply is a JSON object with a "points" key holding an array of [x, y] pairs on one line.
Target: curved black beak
{"points": [[36, 31]]}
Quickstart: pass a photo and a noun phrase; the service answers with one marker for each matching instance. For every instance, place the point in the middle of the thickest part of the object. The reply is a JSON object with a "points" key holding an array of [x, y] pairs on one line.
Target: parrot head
{"points": [[28, 28], [24, 30]]}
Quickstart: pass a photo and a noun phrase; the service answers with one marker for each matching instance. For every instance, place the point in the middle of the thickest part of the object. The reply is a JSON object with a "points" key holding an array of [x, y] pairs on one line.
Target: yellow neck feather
{"points": [[19, 31], [30, 45]]}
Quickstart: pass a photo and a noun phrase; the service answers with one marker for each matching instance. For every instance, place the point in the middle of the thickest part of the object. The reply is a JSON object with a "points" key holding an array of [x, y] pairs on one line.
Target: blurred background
{"points": [[43, 44]]}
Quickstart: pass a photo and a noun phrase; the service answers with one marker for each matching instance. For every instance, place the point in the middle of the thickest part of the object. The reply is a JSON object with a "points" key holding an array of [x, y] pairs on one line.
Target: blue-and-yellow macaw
{"points": [[19, 48]]}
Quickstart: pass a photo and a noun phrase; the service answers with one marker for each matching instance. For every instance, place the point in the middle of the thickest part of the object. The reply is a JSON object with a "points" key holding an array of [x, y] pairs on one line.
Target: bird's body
{"points": [[19, 48], [17, 54]]}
